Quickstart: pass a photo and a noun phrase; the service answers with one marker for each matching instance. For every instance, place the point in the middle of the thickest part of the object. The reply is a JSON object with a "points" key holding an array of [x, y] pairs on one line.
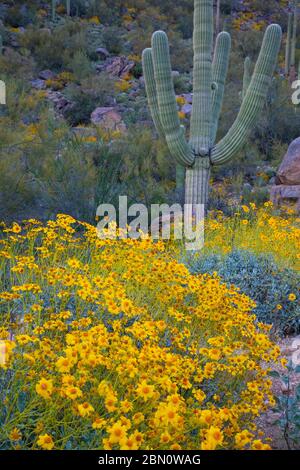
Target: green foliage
{"points": [[288, 405], [112, 39], [85, 97], [146, 168], [80, 65], [263, 281], [56, 49]]}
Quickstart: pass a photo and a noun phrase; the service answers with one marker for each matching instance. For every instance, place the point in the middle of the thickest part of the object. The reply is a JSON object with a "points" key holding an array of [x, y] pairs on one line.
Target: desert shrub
{"points": [[80, 65], [19, 15], [117, 346], [112, 38], [68, 175], [182, 84], [260, 230], [181, 55], [13, 64], [146, 172], [287, 405], [260, 278], [55, 49], [92, 92]]}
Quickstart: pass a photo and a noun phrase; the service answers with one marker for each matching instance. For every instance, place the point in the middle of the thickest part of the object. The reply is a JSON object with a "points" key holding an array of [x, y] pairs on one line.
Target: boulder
{"points": [[188, 97], [47, 75], [102, 53], [117, 66], [38, 84], [280, 193], [289, 170], [187, 108], [59, 101], [108, 118]]}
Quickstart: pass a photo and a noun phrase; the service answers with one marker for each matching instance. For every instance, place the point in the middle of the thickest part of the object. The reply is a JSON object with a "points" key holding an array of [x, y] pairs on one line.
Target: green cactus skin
{"points": [[68, 7], [247, 75], [201, 152], [294, 36], [53, 5], [180, 179], [218, 16], [288, 44]]}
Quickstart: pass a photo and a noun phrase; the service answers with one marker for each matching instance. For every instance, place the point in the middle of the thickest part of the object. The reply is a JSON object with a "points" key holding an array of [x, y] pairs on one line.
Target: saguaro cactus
{"points": [[200, 152], [68, 7], [294, 44], [53, 9], [288, 44], [247, 76], [291, 42]]}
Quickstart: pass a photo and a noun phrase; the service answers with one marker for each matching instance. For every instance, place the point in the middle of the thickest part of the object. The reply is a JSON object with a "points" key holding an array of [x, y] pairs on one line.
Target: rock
{"points": [[108, 118], [117, 66], [175, 73], [102, 53], [188, 98], [59, 101], [47, 75], [282, 192], [289, 170], [187, 108], [38, 84]]}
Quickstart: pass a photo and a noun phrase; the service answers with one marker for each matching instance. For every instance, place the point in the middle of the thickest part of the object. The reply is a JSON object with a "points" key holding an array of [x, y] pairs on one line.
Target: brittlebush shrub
{"points": [[263, 230], [113, 344]]}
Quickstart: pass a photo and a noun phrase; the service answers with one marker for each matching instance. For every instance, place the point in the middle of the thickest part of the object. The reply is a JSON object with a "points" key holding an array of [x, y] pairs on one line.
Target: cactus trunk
{"points": [[197, 183], [218, 16], [180, 181], [68, 7], [294, 35], [288, 44], [201, 152], [53, 10]]}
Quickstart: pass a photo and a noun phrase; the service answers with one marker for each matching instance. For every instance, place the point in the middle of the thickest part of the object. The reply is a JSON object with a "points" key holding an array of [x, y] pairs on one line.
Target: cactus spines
{"points": [[201, 152]]}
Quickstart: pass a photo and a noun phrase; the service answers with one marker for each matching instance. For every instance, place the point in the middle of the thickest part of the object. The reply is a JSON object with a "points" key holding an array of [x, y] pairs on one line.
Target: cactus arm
{"points": [[200, 139], [151, 90], [68, 7], [294, 36], [219, 74], [166, 99], [288, 44], [247, 76], [254, 100]]}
